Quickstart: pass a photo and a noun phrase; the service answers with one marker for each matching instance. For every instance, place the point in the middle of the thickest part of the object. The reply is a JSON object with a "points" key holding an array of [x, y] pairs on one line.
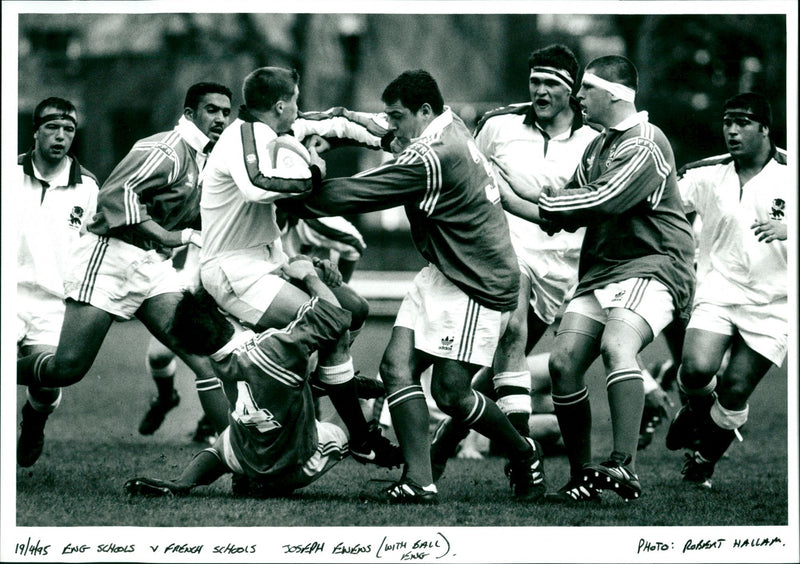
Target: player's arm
{"points": [[136, 180], [637, 171], [341, 123], [259, 180], [398, 182], [154, 232]]}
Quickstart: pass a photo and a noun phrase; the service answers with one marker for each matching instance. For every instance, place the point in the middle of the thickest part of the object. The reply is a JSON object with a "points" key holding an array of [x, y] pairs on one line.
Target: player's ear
{"points": [[279, 105], [426, 110], [188, 113]]}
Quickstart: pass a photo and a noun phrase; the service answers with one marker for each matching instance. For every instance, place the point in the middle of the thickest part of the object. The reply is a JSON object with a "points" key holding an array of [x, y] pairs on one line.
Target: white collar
{"points": [[239, 338], [631, 121], [60, 178], [192, 134], [439, 123]]}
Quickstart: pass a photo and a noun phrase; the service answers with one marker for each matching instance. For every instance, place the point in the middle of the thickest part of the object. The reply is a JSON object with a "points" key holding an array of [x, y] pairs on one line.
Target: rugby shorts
{"points": [[189, 270], [549, 262], [332, 447], [39, 316], [447, 323], [244, 282], [647, 297], [117, 277], [763, 327]]}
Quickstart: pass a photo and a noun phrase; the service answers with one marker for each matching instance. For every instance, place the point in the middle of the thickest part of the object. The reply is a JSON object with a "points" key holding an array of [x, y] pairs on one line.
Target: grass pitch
{"points": [[92, 447]]}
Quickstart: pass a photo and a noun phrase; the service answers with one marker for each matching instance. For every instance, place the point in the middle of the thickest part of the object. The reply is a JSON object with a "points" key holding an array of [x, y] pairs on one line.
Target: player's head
{"points": [[274, 90], [608, 89], [412, 101], [208, 105], [199, 326], [746, 121], [55, 121], [553, 72]]}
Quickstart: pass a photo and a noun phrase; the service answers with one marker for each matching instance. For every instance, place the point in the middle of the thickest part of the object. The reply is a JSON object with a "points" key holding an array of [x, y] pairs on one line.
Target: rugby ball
{"points": [[287, 152]]}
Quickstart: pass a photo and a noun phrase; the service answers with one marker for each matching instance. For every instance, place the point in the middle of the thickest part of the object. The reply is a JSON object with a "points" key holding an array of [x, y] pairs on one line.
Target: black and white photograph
{"points": [[390, 281]]}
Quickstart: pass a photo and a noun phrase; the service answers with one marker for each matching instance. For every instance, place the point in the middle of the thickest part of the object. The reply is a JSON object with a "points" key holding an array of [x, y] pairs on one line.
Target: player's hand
{"points": [[317, 160], [299, 268], [318, 143], [328, 273], [770, 230], [191, 236], [520, 184]]}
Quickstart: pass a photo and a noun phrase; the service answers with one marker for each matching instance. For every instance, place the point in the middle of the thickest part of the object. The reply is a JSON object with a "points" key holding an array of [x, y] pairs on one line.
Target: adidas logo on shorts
{"points": [[447, 344]]}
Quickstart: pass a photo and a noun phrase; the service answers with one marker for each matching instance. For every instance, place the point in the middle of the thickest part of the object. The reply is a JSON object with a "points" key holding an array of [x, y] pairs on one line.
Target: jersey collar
{"points": [[239, 338], [438, 124], [632, 121], [75, 171], [192, 135]]}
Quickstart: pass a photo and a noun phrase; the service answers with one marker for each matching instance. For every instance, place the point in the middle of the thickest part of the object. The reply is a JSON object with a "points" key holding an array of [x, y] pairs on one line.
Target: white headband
{"points": [[624, 93], [560, 75]]}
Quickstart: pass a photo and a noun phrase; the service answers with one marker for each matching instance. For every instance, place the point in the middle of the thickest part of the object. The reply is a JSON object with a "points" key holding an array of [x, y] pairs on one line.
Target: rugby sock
{"points": [[719, 430], [44, 400], [32, 369], [204, 469], [626, 402], [488, 420], [513, 391], [214, 401], [446, 438], [574, 413], [410, 418], [164, 377], [339, 381]]}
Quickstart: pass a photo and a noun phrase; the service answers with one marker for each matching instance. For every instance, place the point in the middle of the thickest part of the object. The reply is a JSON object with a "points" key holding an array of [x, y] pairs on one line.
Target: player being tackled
{"points": [[273, 439]]}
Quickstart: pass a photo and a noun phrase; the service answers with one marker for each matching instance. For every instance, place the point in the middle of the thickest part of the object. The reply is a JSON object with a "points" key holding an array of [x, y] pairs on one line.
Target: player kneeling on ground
{"points": [[273, 438]]}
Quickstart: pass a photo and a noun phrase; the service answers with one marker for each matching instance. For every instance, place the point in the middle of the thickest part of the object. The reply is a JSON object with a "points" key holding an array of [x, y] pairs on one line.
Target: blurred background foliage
{"points": [[128, 73]]}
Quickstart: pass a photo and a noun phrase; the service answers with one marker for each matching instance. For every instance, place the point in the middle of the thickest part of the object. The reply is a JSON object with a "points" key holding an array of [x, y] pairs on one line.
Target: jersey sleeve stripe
{"points": [[259, 179], [151, 163], [434, 183]]}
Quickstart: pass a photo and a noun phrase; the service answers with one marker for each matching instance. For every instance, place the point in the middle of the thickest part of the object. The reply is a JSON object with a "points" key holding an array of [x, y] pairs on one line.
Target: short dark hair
{"points": [[557, 56], [265, 86], [754, 104], [200, 89], [199, 326], [414, 88], [60, 104], [616, 68]]}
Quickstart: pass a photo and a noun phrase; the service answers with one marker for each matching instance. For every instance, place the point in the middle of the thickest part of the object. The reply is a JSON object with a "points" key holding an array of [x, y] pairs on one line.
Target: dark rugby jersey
{"points": [[452, 204]]}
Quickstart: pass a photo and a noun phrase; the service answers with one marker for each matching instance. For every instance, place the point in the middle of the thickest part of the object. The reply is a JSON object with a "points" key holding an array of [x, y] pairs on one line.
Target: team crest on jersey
{"points": [[778, 209], [75, 216], [447, 344]]}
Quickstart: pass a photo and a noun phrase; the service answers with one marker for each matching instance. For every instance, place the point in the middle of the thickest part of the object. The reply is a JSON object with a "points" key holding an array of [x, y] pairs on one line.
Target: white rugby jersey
{"points": [[511, 136], [241, 183], [734, 267], [50, 217]]}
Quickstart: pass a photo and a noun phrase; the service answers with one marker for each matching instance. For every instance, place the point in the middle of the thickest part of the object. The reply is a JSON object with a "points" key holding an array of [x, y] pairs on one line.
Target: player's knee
{"points": [[559, 365], [393, 375], [696, 370], [160, 358], [451, 402], [70, 368]]}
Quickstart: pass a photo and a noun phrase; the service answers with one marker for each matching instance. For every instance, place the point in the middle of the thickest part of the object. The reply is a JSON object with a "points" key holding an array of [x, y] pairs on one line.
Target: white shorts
{"points": [[117, 277], [189, 271], [302, 235], [332, 447], [553, 275], [39, 316], [447, 323], [549, 262], [763, 327], [647, 297], [245, 282]]}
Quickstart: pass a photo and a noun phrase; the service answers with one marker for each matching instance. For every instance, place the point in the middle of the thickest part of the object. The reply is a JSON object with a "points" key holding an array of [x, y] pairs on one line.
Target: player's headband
{"points": [[560, 75], [41, 120], [624, 93], [741, 113]]}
